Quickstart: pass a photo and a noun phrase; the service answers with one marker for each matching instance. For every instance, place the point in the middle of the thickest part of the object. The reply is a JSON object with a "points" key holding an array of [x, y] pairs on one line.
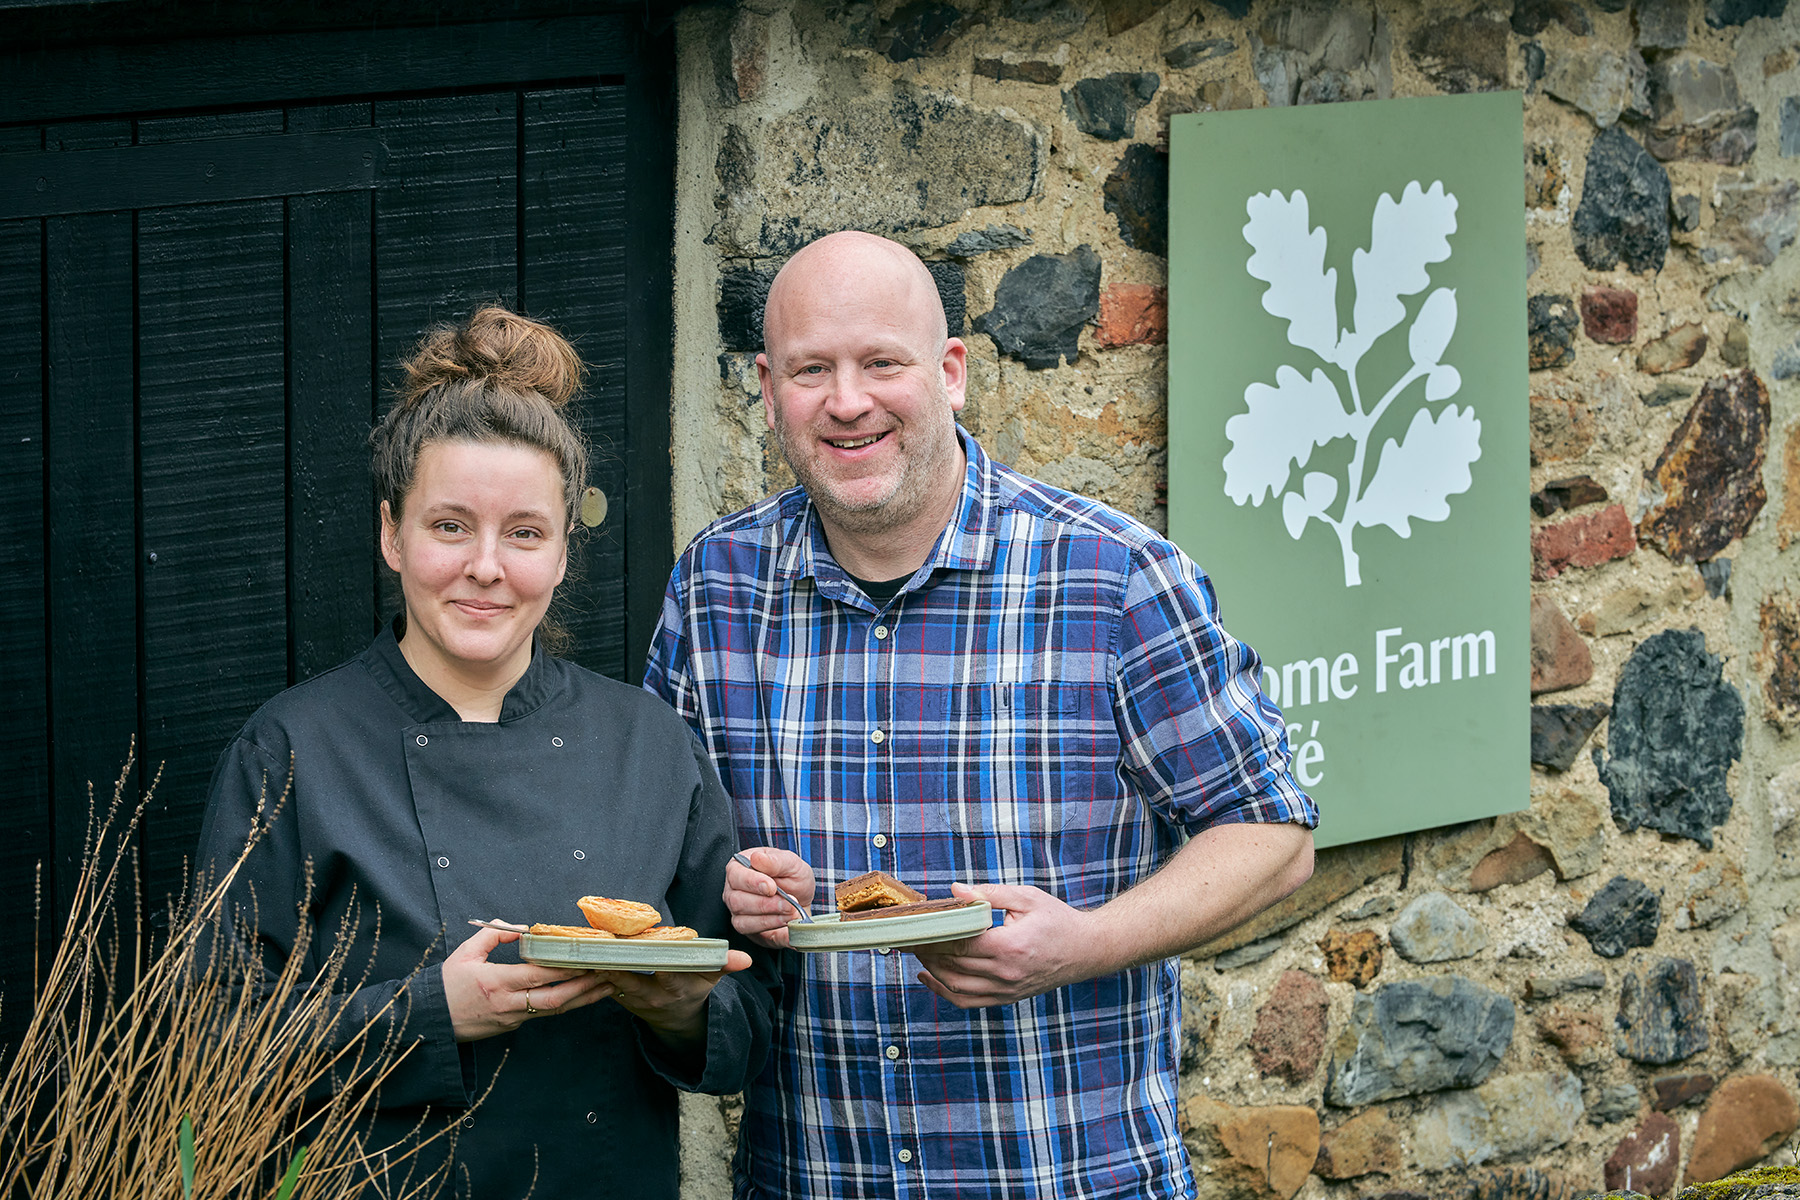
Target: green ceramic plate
{"points": [[623, 954], [881, 933]]}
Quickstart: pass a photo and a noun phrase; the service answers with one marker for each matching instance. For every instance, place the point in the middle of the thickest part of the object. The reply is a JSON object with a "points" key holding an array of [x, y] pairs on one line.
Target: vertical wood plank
{"points": [[91, 497], [649, 346], [213, 448], [574, 251], [446, 225], [25, 734], [331, 508]]}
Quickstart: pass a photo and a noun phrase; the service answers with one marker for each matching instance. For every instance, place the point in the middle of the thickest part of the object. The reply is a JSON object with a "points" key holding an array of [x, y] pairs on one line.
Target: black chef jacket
{"points": [[419, 821]]}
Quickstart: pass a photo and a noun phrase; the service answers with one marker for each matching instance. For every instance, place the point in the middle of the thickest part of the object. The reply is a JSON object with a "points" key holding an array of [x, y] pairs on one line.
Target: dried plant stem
{"points": [[129, 1034]]}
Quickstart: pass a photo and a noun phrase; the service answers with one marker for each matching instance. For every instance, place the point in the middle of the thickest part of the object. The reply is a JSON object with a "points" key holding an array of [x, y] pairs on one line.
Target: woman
{"points": [[454, 770]]}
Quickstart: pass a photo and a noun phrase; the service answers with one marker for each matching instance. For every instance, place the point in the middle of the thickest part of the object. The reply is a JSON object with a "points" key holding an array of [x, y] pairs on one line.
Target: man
{"points": [[921, 662]]}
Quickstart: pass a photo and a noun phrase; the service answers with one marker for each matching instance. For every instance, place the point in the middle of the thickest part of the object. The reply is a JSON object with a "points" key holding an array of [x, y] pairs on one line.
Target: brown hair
{"points": [[498, 377]]}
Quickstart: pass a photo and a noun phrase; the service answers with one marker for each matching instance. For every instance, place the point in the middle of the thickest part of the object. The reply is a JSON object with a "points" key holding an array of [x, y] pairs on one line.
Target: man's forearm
{"points": [[1224, 876]]}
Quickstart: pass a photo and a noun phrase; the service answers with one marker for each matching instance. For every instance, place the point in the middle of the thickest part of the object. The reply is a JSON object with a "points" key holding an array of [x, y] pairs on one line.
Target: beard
{"points": [[865, 505]]}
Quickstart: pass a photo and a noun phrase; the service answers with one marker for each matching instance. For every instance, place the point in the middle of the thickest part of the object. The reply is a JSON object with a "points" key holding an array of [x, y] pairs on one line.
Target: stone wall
{"points": [[1527, 1006]]}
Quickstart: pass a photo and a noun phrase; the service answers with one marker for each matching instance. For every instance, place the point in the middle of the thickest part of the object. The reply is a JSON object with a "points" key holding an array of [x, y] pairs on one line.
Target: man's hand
{"points": [[757, 909], [1044, 944], [1224, 876]]}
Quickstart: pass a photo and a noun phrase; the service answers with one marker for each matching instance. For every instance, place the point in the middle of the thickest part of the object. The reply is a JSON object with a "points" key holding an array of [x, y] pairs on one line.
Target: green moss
{"points": [[1741, 1185]]}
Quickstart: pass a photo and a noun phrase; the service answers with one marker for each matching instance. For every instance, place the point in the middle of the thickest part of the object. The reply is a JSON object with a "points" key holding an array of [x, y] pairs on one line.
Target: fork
{"points": [[805, 916]]}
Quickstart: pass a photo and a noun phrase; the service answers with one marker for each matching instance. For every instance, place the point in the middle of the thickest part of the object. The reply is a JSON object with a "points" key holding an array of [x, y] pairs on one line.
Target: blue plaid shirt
{"points": [[1048, 701]]}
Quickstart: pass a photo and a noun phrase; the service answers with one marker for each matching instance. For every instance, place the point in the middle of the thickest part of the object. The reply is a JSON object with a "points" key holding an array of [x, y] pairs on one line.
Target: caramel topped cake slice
{"points": [[874, 890], [907, 910]]}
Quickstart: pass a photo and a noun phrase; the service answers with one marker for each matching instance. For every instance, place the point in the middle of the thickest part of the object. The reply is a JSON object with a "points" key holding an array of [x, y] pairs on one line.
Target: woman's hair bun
{"points": [[497, 347]]}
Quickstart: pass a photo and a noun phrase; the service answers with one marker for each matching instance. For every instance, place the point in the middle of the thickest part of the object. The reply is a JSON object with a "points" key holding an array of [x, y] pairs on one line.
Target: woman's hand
{"points": [[671, 1003], [486, 998], [757, 909]]}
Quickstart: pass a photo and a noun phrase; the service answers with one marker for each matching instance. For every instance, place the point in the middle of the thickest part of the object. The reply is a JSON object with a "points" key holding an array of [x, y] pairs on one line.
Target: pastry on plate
{"points": [[907, 910], [874, 890], [582, 931], [664, 933], [621, 918]]}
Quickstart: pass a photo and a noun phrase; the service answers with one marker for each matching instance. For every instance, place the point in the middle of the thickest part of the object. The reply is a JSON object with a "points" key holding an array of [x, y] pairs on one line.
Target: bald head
{"points": [[844, 267]]}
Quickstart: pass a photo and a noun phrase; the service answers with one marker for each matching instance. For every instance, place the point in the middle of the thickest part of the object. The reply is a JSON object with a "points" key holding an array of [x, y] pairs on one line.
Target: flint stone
{"points": [[1513, 1116], [1600, 83], [1715, 574], [1734, 350], [1262, 1150], [1525, 1183], [1787, 361], [1790, 126], [1190, 54], [1243, 956], [743, 291], [1609, 315], [1463, 54], [1030, 70], [1107, 107], [1660, 1017], [1559, 731], [1753, 221], [1616, 1102], [1583, 540], [1353, 958], [1673, 1091], [994, 237], [1560, 658], [1647, 1158], [1667, 392], [1779, 662], [1137, 194], [1661, 24], [1746, 1118], [1318, 52], [1532, 17], [1696, 112], [1623, 914], [1365, 1144], [1577, 1036], [1374, 906], [1201, 1010], [1720, 13], [1678, 349], [1624, 209], [1713, 890], [1551, 322], [918, 30], [1676, 728], [1544, 989], [1041, 306], [1685, 209], [1710, 473], [1290, 1029], [1517, 861], [1237, 8], [907, 159], [1127, 14], [1418, 1036], [1559, 494], [1434, 928], [951, 279], [1637, 604]]}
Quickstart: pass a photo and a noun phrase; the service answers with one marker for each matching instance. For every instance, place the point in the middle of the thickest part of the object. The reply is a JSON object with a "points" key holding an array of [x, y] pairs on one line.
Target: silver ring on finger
{"points": [[531, 1010]]}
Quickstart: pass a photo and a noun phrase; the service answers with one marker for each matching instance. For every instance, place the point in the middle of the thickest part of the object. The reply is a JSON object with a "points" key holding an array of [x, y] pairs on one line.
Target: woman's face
{"points": [[481, 543]]}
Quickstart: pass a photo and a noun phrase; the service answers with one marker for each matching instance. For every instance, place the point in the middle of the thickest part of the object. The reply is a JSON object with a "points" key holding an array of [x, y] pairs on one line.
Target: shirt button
{"points": [[880, 840], [905, 1156], [422, 739], [442, 861], [876, 736], [893, 1052], [885, 950], [880, 632]]}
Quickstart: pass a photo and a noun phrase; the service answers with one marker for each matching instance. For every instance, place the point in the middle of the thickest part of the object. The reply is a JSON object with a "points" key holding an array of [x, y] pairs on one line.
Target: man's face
{"points": [[860, 389]]}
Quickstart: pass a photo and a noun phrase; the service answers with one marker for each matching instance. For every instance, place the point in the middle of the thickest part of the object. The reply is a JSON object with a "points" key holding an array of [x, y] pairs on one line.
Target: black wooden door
{"points": [[200, 317]]}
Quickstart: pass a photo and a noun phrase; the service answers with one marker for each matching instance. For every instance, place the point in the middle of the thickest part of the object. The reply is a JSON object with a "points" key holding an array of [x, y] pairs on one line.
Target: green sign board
{"points": [[1348, 438]]}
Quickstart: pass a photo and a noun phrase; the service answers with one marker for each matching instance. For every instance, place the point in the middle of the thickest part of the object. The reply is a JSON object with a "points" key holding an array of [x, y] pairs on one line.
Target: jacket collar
{"points": [[395, 676]]}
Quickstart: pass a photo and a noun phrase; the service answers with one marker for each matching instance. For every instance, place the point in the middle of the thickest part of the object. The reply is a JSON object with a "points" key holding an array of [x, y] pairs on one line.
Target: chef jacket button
{"points": [[556, 741], [876, 736], [468, 1122], [580, 855], [893, 1052], [442, 861], [593, 1118], [880, 840], [905, 1156], [422, 739]]}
